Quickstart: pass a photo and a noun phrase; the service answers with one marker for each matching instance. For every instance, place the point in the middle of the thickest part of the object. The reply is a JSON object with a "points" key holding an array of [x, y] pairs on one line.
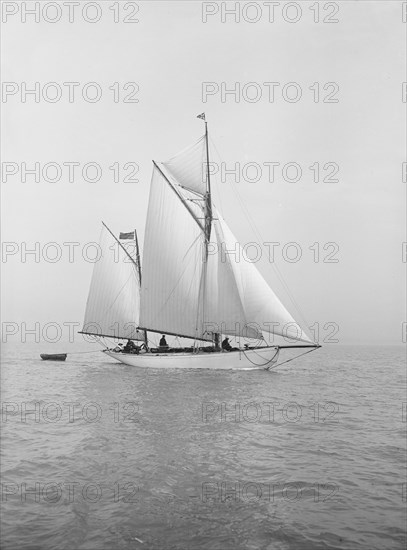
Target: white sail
{"points": [[189, 167], [172, 262], [260, 305], [224, 310], [113, 304]]}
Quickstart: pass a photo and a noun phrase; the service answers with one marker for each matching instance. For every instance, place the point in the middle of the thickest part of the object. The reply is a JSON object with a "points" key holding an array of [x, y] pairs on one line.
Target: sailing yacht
{"points": [[188, 285]]}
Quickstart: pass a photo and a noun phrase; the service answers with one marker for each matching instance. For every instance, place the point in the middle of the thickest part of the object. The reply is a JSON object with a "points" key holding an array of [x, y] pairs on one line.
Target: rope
{"points": [[81, 352], [263, 364], [292, 359]]}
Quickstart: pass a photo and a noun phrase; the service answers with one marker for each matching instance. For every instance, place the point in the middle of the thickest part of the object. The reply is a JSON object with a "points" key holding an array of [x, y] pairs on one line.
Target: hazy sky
{"points": [[170, 53]]}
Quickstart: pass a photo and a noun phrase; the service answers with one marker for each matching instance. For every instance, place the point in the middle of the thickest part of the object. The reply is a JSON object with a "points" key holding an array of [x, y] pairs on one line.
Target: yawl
{"points": [[188, 285]]}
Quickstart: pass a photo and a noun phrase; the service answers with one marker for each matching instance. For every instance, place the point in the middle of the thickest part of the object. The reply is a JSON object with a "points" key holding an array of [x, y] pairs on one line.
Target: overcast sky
{"points": [[170, 53]]}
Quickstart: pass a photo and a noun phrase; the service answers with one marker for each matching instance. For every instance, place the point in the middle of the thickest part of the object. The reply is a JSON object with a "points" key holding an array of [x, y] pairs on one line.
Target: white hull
{"points": [[238, 360]]}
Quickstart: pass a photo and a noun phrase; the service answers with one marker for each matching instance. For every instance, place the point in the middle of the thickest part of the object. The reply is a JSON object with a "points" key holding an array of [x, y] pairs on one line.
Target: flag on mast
{"points": [[202, 115], [130, 236]]}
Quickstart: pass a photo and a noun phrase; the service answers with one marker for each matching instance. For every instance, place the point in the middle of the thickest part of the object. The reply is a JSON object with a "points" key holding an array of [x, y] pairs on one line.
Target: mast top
{"points": [[208, 199]]}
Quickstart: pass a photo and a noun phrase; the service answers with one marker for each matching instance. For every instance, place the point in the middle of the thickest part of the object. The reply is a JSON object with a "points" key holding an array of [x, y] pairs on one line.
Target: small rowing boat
{"points": [[53, 356]]}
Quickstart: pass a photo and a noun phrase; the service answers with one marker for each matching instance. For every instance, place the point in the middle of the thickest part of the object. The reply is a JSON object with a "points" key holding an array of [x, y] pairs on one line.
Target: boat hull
{"points": [[53, 357], [255, 359]]}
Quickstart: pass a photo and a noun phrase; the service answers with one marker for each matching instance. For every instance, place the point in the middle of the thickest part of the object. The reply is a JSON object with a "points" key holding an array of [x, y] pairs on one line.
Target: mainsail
{"points": [[113, 304], [172, 261]]}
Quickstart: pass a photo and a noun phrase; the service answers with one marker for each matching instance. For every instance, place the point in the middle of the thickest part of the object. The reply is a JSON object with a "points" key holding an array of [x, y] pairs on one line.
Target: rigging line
{"points": [[120, 244], [275, 267], [218, 195], [176, 182], [192, 244], [179, 195], [118, 294], [186, 149], [198, 309], [81, 352], [292, 359], [261, 364], [259, 236]]}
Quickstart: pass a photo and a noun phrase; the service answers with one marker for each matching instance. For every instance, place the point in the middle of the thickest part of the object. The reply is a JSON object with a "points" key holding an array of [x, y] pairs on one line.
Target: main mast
{"points": [[208, 199], [208, 221]]}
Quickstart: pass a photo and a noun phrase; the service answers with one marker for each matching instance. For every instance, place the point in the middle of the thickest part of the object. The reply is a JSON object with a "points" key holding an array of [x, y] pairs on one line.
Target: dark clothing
{"points": [[129, 347], [163, 343], [225, 345]]}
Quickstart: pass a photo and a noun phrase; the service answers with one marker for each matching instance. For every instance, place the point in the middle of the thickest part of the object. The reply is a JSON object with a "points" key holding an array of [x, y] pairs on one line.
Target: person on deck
{"points": [[163, 342], [129, 347], [226, 346]]}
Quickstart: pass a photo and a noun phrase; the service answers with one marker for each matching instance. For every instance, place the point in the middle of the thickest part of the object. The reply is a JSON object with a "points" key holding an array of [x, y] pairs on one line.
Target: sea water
{"points": [[99, 455]]}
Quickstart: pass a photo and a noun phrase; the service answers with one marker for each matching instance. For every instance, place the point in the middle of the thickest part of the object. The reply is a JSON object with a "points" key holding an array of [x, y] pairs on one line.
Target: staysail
{"points": [[261, 310], [113, 304]]}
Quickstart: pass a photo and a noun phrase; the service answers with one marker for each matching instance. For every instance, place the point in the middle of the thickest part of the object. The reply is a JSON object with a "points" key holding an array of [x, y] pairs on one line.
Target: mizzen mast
{"points": [[139, 274]]}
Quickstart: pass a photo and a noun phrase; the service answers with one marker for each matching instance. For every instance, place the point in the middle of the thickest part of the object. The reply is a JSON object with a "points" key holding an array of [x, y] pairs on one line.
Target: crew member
{"points": [[163, 342], [129, 347], [226, 346]]}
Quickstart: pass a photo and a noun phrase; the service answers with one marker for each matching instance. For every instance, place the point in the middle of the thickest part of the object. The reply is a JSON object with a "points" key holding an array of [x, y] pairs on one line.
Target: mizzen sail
{"points": [[113, 304]]}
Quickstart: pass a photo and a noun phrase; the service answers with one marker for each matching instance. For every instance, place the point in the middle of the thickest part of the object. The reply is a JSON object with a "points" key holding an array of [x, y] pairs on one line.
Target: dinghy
{"points": [[53, 356]]}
